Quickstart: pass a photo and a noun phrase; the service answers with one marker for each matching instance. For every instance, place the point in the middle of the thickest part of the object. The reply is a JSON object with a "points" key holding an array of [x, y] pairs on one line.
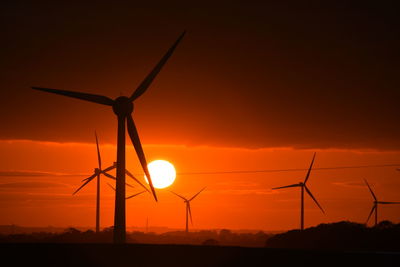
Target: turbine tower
{"points": [[303, 187], [123, 107], [188, 210], [375, 204]]}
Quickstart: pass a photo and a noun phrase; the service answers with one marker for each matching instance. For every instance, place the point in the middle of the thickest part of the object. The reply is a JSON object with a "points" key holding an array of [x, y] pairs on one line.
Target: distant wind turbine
{"points": [[375, 204], [123, 107], [97, 172], [303, 186], [188, 210]]}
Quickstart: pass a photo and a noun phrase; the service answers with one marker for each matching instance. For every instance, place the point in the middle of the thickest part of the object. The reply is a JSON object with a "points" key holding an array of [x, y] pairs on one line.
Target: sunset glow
{"points": [[234, 98], [162, 172]]}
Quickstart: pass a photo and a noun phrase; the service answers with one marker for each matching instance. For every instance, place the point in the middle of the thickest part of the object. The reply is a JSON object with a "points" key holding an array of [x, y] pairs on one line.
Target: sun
{"points": [[162, 173]]}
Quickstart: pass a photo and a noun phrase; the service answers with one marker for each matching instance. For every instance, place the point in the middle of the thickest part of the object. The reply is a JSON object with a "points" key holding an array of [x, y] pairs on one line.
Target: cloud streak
{"points": [[24, 173], [29, 185]]}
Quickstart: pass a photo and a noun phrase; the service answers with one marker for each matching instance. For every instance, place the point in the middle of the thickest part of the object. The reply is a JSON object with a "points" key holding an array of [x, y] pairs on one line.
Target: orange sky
{"points": [[235, 201], [250, 87]]}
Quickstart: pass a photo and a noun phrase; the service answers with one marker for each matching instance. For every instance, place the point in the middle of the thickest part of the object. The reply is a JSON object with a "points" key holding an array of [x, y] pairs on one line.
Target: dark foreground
{"points": [[183, 255]]}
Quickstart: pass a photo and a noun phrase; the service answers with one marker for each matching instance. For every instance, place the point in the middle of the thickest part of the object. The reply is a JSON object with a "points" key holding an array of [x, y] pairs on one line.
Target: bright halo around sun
{"points": [[162, 173]]}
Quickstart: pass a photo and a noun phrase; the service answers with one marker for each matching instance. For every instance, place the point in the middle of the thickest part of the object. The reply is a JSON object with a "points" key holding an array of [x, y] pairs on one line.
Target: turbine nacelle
{"points": [[122, 106]]}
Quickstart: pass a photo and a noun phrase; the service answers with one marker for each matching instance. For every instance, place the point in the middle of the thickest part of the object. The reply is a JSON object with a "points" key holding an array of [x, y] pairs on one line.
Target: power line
{"points": [[288, 170]]}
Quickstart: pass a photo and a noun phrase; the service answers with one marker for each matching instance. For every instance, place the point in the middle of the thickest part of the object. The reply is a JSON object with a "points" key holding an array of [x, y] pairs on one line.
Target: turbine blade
{"points": [[139, 151], [178, 195], [109, 168], [286, 186], [372, 211], [112, 177], [316, 202], [134, 195], [190, 213], [91, 177], [196, 194], [109, 175], [99, 99], [150, 77], [309, 170], [85, 183], [131, 186], [370, 189], [98, 151], [112, 187], [385, 202], [136, 180]]}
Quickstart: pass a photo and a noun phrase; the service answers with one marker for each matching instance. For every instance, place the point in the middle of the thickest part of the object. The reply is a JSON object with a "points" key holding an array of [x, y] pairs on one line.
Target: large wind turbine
{"points": [[123, 107], [375, 205], [303, 187], [188, 210]]}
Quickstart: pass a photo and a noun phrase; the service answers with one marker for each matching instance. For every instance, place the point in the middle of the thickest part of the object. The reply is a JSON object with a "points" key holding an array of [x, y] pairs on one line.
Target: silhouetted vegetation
{"points": [[341, 236], [210, 238], [333, 236], [343, 243]]}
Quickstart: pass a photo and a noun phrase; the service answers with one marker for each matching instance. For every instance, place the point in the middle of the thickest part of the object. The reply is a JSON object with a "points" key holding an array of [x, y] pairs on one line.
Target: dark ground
{"points": [[46, 254]]}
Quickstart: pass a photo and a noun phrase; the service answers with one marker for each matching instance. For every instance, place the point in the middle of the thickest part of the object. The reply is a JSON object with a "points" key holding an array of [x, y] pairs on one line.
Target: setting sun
{"points": [[162, 173]]}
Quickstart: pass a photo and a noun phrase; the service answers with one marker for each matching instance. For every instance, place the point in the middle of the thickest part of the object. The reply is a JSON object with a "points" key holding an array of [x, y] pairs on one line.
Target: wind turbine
{"points": [[188, 210], [97, 172], [123, 107], [375, 205], [303, 187]]}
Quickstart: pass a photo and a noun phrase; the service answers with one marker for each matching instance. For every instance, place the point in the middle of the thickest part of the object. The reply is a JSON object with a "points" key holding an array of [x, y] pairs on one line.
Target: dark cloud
{"points": [[317, 75]]}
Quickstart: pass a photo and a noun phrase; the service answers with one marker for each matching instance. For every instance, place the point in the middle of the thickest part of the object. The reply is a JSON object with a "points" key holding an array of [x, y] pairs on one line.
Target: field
{"points": [[47, 254]]}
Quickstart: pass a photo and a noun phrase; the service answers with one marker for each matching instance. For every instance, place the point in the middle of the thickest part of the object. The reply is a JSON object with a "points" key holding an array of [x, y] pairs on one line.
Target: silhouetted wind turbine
{"points": [[123, 107], [375, 205], [303, 186], [188, 210], [97, 172]]}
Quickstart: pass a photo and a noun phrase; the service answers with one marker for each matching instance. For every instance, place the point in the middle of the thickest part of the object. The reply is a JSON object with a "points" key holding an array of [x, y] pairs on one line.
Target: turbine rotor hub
{"points": [[122, 106]]}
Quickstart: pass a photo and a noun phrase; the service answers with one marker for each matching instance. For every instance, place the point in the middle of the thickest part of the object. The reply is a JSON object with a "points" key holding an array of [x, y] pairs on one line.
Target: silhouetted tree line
{"points": [[209, 238], [342, 235], [337, 236]]}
